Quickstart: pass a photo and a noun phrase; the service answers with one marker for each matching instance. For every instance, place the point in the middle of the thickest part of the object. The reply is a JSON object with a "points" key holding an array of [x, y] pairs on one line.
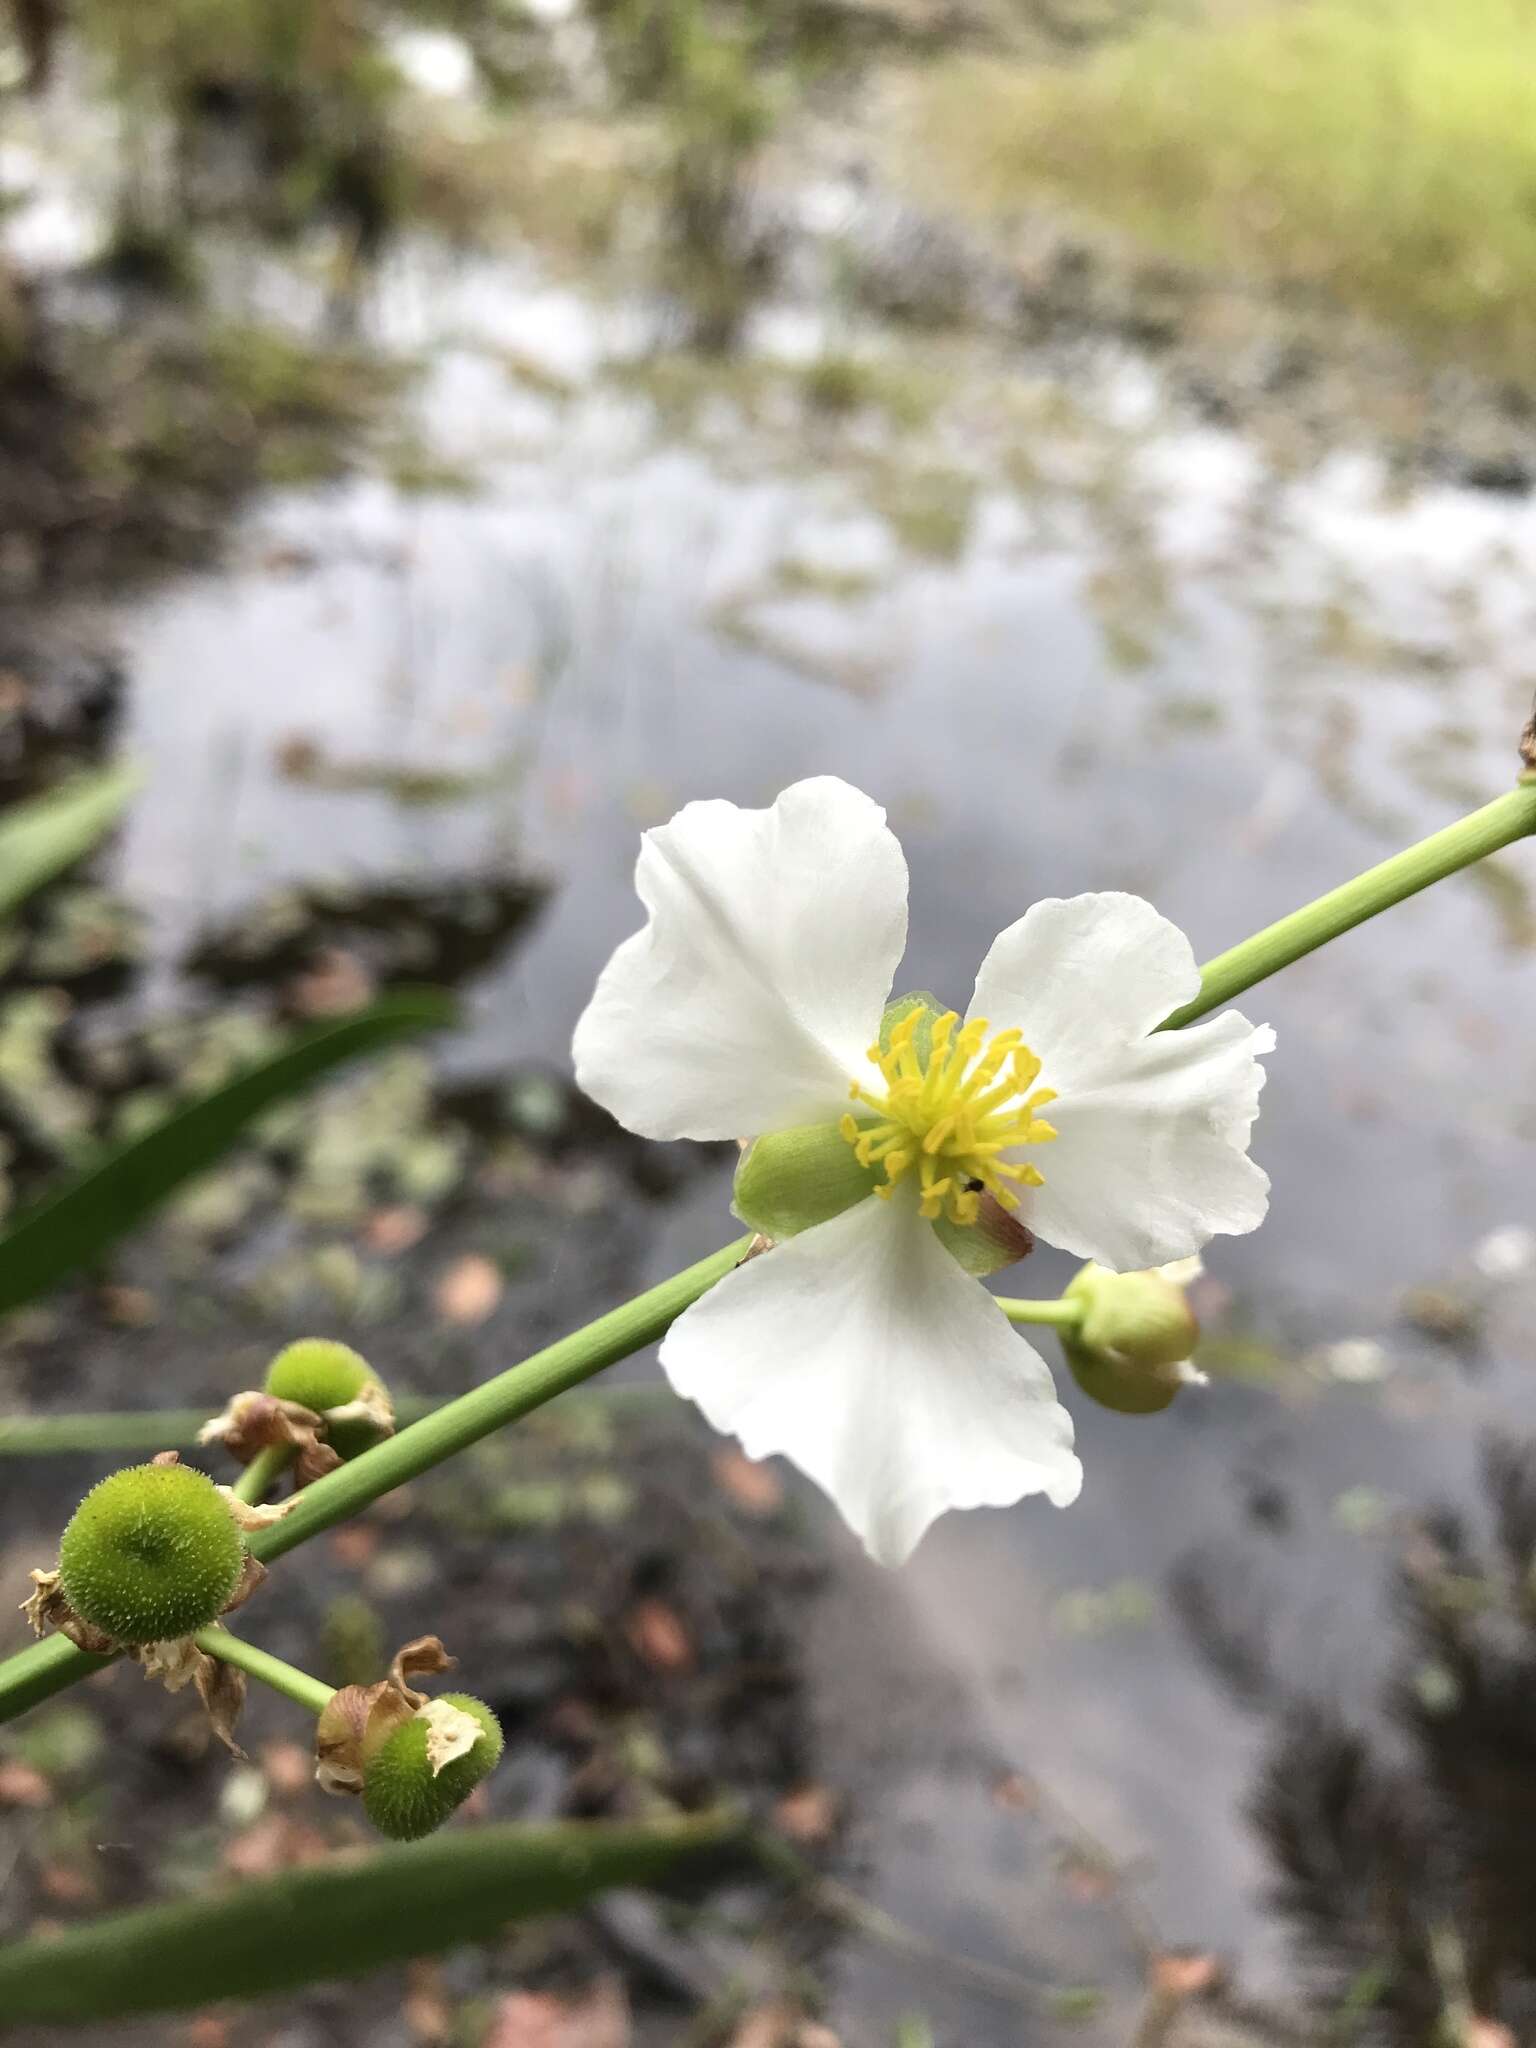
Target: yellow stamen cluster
{"points": [[952, 1115]]}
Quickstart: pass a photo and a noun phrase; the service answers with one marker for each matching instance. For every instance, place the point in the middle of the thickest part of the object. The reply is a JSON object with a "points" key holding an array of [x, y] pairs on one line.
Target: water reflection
{"points": [[1399, 1832]]}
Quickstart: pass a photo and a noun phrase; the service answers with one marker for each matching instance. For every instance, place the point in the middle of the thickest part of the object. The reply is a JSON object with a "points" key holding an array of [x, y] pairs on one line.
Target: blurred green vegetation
{"points": [[1382, 150]]}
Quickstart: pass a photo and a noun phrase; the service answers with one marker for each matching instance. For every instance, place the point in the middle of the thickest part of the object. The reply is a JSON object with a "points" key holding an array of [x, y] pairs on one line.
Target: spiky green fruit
{"points": [[151, 1553], [402, 1797], [321, 1374]]}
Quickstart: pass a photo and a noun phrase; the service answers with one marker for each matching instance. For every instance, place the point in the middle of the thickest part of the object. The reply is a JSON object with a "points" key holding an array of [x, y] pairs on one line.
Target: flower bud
{"points": [[408, 1791], [1131, 1350], [324, 1376], [150, 1554]]}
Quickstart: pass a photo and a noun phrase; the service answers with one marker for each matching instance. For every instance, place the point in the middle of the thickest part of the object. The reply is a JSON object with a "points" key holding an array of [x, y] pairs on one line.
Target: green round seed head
{"points": [[403, 1799], [321, 1374], [151, 1553]]}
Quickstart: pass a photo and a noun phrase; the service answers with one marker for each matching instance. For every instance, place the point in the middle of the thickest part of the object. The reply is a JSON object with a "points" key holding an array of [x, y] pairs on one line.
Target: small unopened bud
{"points": [[1131, 1350], [338, 1384], [151, 1553], [426, 1767]]}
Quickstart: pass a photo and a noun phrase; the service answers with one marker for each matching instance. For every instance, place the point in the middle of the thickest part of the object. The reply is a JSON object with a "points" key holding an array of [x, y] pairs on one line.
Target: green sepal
{"points": [[1137, 1330], [790, 1181], [903, 1006]]}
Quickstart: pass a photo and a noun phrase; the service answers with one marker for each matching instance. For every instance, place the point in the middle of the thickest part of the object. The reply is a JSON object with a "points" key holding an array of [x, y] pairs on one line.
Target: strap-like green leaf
{"points": [[337, 1919], [39, 839], [74, 1225]]}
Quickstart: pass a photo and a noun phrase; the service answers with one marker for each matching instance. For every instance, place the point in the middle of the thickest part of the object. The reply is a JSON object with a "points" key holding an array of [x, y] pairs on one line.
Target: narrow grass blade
{"points": [[42, 837], [107, 1198]]}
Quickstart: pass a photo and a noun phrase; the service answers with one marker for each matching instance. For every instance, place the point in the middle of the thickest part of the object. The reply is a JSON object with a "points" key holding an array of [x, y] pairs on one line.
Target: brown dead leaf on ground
{"points": [[808, 1814], [207, 2030], [337, 983], [598, 2018], [1481, 2033], [1016, 1794], [658, 1637], [66, 1884], [1182, 1974], [1089, 1881], [766, 2026], [288, 1768], [392, 1231], [272, 1844], [127, 1308], [20, 1785], [428, 2010], [777, 2025], [469, 1290], [354, 1545], [755, 1488]]}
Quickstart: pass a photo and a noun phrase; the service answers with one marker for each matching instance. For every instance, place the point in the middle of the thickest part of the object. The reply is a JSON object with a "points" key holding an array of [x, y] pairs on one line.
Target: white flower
{"points": [[753, 1002]]}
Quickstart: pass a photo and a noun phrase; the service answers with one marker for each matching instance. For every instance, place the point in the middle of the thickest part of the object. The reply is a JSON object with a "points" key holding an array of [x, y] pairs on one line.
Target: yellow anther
{"points": [[959, 1111]]}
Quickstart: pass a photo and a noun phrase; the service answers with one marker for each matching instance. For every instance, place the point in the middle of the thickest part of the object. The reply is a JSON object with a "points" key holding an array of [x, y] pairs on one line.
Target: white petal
{"points": [[1083, 977], [1151, 1162], [749, 999], [861, 1351]]}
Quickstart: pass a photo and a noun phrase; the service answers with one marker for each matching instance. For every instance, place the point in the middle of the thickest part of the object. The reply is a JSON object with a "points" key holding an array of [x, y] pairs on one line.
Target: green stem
{"points": [[1508, 818], [173, 1429], [263, 1473], [287, 1679], [483, 1410], [1060, 1315], [36, 1673], [152, 1429]]}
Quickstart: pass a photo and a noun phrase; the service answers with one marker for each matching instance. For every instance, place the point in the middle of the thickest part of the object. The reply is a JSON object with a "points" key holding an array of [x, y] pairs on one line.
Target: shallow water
{"points": [[1151, 663]]}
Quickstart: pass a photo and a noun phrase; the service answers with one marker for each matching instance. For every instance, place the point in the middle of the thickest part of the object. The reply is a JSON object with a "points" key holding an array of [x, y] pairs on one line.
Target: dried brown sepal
{"points": [[253, 1573], [222, 1691], [220, 1687], [1528, 744], [422, 1657], [370, 1404], [357, 1720], [254, 1514], [50, 1613], [339, 1740], [254, 1421]]}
